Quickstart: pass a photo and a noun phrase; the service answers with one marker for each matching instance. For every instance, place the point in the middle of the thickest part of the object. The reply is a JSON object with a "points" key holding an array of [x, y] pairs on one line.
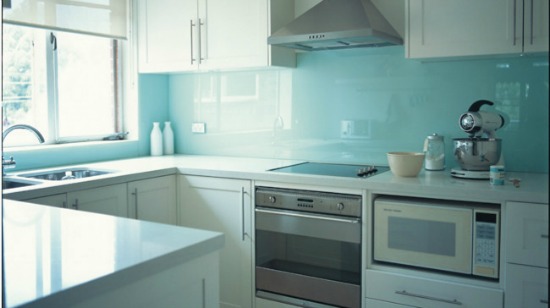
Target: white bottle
{"points": [[156, 140], [168, 139]]}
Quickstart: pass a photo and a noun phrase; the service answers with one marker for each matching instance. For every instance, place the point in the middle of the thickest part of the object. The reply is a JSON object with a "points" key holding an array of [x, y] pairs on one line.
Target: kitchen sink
{"points": [[8, 183], [65, 174]]}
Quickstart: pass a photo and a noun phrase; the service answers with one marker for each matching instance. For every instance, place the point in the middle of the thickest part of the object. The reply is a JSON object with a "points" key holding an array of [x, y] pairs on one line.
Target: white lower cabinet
{"points": [[527, 286], [223, 205], [59, 200], [429, 293], [527, 230], [110, 200], [153, 199], [373, 303], [527, 255], [264, 303]]}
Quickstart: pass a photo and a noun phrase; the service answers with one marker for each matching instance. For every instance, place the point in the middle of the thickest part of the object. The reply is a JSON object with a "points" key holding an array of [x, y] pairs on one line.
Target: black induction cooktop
{"points": [[342, 170]]}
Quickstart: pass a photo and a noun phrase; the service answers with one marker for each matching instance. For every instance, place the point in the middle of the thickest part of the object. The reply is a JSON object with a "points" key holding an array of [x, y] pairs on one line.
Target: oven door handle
{"points": [[312, 225], [312, 216]]}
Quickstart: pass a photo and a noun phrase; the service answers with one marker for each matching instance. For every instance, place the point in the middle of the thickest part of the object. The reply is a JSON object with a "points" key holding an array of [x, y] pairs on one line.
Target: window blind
{"points": [[106, 18]]}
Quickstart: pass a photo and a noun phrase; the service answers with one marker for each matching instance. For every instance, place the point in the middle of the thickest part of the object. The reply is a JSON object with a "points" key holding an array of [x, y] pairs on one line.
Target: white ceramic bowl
{"points": [[406, 164]]}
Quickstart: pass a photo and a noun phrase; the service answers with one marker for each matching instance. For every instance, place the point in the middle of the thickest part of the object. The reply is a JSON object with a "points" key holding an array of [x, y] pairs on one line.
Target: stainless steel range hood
{"points": [[337, 24]]}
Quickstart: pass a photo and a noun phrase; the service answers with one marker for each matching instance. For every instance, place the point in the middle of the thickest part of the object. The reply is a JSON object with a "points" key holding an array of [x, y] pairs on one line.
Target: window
{"points": [[66, 85]]}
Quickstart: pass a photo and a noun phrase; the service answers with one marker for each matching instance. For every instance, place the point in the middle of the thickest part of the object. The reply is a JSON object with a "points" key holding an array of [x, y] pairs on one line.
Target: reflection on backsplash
{"points": [[242, 102], [353, 106]]}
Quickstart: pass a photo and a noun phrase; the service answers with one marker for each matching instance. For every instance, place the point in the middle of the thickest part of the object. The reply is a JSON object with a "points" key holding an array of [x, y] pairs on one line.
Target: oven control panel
{"points": [[309, 201]]}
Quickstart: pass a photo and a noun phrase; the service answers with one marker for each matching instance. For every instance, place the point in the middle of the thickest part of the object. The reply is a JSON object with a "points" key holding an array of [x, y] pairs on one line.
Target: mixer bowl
{"points": [[477, 154]]}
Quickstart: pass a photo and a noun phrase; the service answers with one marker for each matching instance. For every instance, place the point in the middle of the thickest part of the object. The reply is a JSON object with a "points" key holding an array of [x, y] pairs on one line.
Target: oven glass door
{"points": [[429, 236], [309, 256]]}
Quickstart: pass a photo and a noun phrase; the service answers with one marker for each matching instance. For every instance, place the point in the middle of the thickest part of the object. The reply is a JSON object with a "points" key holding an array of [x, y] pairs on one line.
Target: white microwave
{"points": [[458, 237]]}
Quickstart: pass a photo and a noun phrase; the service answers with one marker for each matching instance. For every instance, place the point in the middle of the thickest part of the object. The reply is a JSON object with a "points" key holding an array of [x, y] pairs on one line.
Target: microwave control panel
{"points": [[486, 243]]}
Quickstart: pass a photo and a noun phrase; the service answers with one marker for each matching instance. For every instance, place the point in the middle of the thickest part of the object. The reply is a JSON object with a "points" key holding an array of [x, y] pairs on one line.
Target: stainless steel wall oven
{"points": [[308, 247]]}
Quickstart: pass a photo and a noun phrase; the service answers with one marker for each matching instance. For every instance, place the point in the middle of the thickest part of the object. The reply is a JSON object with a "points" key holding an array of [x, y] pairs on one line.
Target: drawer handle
{"points": [[75, 204], [544, 301], [544, 235], [454, 301]]}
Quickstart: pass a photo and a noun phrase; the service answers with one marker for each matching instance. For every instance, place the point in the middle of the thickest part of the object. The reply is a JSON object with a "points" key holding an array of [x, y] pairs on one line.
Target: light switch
{"points": [[198, 128]]}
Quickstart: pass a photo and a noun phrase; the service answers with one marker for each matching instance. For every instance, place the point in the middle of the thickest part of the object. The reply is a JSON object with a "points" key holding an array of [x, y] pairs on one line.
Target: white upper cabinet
{"points": [[165, 35], [190, 35], [446, 28], [535, 37]]}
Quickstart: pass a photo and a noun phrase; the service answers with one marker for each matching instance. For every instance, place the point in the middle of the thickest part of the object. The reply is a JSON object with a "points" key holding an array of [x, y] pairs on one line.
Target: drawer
{"points": [[421, 292], [374, 303], [526, 286], [527, 232]]}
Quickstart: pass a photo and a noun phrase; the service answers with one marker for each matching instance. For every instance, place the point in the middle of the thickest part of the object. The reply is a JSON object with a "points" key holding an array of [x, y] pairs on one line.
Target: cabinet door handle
{"points": [[75, 204], [135, 194], [242, 213], [191, 26], [514, 24], [544, 235], [453, 301], [531, 23], [544, 301], [201, 58]]}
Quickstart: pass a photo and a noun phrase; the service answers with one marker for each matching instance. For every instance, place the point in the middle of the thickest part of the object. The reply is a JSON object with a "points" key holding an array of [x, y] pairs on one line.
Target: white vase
{"points": [[156, 140], [168, 139]]}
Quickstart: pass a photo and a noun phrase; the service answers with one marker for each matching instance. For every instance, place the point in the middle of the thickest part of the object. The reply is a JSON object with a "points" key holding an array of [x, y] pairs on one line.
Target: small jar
{"points": [[434, 148]]}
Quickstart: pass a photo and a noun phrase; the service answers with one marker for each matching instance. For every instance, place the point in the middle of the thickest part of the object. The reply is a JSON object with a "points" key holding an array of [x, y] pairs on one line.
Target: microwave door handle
{"points": [[406, 293]]}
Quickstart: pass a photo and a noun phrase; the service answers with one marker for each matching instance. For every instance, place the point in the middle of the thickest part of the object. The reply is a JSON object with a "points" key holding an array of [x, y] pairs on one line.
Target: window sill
{"points": [[50, 155]]}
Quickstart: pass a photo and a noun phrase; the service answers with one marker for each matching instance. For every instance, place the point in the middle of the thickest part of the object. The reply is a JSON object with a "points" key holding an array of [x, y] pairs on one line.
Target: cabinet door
{"points": [[447, 28], [167, 35], [536, 26], [223, 205], [59, 200], [153, 199], [110, 200], [234, 33], [526, 286], [527, 229]]}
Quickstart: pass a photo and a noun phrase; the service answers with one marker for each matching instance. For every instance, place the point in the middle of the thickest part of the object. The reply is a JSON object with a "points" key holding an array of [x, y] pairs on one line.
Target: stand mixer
{"points": [[477, 153]]}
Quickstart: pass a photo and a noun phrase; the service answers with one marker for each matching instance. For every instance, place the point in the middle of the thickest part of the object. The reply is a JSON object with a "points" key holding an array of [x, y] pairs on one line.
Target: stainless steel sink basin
{"points": [[8, 183], [65, 174]]}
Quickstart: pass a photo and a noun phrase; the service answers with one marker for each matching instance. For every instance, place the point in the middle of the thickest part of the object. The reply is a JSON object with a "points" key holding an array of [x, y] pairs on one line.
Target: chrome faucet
{"points": [[10, 163], [25, 127]]}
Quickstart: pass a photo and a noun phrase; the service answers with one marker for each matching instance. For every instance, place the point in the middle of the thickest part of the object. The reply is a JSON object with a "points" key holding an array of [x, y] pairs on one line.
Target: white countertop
{"points": [[93, 245], [49, 251], [437, 184]]}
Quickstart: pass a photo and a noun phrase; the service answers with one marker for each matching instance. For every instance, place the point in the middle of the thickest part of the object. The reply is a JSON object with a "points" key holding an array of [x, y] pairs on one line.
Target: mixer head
{"points": [[477, 123]]}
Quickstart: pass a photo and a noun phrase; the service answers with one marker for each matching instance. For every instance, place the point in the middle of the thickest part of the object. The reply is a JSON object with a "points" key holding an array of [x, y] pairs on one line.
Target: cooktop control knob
{"points": [[272, 199], [340, 206]]}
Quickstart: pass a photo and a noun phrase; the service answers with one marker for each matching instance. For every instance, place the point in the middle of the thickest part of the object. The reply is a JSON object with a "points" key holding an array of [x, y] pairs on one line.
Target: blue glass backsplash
{"points": [[353, 106]]}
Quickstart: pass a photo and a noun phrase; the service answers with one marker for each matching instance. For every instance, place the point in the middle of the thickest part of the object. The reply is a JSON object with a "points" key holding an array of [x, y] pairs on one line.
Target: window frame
{"points": [[120, 70]]}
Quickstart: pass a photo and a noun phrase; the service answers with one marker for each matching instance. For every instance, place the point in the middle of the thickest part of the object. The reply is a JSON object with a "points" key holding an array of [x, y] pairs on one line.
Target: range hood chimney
{"points": [[337, 24]]}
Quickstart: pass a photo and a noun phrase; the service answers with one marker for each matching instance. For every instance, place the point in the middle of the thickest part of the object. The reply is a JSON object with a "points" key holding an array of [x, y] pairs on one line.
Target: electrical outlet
{"points": [[198, 128]]}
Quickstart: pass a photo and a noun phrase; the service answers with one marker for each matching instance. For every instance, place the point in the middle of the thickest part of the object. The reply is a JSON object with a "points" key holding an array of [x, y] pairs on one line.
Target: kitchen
{"points": [[398, 101]]}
